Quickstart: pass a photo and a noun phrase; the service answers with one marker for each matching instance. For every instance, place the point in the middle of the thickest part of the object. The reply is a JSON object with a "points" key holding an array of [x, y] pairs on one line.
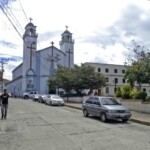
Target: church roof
{"points": [[50, 47], [30, 24], [66, 32]]}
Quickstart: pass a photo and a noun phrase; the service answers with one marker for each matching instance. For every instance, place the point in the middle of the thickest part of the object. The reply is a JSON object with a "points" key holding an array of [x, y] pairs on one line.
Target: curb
{"points": [[140, 122], [133, 120], [73, 107]]}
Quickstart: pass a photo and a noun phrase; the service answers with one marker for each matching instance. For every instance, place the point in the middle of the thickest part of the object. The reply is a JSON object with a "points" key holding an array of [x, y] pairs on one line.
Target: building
{"points": [[39, 65], [114, 76]]}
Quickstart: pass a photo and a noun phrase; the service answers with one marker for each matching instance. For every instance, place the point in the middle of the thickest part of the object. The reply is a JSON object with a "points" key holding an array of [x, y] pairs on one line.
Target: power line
{"points": [[15, 19], [10, 21], [23, 11], [46, 67]]}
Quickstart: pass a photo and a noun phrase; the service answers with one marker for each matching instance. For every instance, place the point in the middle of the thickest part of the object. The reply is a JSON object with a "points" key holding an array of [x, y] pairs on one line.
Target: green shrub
{"points": [[118, 91], [140, 95], [132, 93], [126, 89], [125, 95]]}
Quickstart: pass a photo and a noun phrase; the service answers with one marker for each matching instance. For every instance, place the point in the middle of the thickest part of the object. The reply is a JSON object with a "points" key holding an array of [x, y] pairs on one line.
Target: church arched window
{"points": [[30, 79], [30, 72], [31, 32]]}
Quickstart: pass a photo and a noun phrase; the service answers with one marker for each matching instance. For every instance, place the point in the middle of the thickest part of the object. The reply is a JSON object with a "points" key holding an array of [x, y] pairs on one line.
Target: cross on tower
{"points": [[31, 48], [69, 52], [30, 19], [66, 27]]}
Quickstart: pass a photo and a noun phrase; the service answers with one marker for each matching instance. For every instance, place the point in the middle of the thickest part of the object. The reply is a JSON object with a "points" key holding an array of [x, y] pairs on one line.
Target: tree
{"points": [[138, 66], [61, 78], [77, 78]]}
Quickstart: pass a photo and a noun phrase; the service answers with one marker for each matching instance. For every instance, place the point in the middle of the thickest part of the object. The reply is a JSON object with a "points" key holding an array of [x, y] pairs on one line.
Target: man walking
{"points": [[4, 104]]}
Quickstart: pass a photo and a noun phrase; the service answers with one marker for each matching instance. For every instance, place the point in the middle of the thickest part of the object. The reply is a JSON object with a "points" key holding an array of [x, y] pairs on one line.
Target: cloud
{"points": [[8, 44], [48, 35], [133, 24], [10, 58]]}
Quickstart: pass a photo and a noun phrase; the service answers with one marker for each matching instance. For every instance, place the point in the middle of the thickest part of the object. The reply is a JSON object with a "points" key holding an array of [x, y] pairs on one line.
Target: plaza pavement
{"points": [[142, 118]]}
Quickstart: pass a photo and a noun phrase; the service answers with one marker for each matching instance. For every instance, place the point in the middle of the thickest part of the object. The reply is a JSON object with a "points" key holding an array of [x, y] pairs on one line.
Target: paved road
{"points": [[34, 126]]}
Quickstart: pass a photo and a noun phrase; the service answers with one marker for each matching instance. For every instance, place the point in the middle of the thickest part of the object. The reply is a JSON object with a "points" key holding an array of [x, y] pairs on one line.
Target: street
{"points": [[35, 126]]}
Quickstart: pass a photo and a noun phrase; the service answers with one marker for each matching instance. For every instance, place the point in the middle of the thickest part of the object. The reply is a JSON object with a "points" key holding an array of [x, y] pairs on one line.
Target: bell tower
{"points": [[67, 46], [29, 56]]}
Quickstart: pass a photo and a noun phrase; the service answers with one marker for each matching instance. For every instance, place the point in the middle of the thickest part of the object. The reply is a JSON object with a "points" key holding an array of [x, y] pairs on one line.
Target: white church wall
{"points": [[15, 87], [17, 72], [43, 85]]}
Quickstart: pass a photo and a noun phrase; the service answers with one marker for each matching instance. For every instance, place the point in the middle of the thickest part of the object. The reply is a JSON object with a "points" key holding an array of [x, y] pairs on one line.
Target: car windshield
{"points": [[109, 101]]}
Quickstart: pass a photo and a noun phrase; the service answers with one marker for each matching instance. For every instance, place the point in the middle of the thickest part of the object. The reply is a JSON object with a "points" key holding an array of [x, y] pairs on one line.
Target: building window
{"points": [[123, 71], [99, 69], [144, 90], [116, 80], [123, 80], [107, 90], [107, 70], [115, 70]]}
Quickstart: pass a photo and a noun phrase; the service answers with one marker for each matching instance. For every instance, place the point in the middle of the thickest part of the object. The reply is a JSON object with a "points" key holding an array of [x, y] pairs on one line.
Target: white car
{"points": [[54, 99]]}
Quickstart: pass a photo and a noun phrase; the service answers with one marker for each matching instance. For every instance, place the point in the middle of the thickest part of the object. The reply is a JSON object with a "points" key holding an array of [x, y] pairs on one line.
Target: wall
{"points": [[137, 105], [75, 99]]}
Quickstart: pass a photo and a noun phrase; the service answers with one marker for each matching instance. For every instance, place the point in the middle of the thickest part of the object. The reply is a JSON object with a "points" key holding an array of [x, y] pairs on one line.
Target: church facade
{"points": [[38, 65]]}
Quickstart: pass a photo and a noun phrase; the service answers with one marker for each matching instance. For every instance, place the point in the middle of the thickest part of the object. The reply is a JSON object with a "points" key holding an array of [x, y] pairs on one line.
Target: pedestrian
{"points": [[4, 104]]}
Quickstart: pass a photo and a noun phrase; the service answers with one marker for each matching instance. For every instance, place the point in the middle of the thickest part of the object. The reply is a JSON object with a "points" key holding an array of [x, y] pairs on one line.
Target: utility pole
{"points": [[2, 62]]}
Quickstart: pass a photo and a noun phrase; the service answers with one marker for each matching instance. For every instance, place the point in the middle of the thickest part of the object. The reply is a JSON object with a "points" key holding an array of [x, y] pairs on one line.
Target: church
{"points": [[38, 65]]}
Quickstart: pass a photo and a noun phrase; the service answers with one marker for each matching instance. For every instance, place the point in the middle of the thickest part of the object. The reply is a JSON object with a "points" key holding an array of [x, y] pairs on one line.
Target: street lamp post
{"points": [[115, 83]]}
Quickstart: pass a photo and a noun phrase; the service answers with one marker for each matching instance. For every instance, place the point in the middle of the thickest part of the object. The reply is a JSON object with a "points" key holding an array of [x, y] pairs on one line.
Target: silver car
{"points": [[54, 99], [106, 108]]}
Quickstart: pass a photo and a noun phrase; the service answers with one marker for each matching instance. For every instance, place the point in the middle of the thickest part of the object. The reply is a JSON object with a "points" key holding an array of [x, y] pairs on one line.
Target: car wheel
{"points": [[85, 113], [103, 117], [125, 120], [26, 97]]}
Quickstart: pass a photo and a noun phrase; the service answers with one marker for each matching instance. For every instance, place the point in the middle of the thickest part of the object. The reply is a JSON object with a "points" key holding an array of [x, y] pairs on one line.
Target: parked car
{"points": [[42, 98], [36, 97], [106, 108], [54, 99], [30, 94]]}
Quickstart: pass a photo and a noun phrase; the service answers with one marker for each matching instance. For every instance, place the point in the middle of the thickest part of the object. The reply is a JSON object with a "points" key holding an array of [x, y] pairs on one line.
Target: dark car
{"points": [[42, 98], [106, 108]]}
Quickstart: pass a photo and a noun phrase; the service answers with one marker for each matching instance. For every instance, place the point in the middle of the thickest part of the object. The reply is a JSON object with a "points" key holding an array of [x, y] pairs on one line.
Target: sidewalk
{"points": [[142, 118]]}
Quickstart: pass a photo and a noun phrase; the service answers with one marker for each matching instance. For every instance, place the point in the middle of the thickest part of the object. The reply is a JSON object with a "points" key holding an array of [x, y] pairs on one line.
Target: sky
{"points": [[103, 30]]}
